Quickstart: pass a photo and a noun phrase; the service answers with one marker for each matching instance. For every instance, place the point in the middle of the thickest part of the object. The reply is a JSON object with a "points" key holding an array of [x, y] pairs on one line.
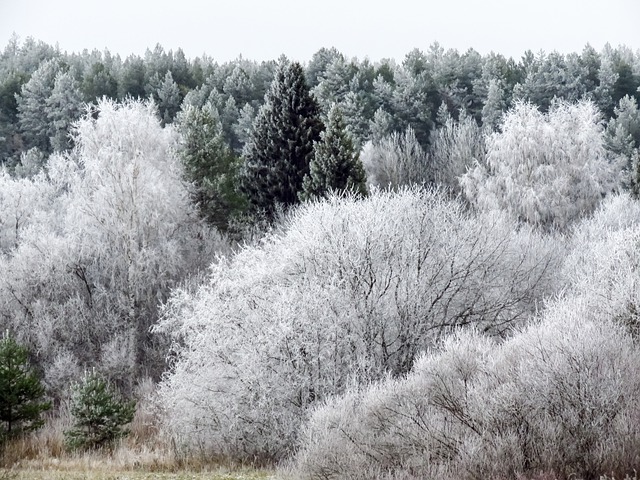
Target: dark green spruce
{"points": [[278, 153]]}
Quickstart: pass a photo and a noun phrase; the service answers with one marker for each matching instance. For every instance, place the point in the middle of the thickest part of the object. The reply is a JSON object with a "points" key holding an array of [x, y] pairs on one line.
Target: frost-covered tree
{"points": [[397, 160], [381, 126], [320, 61], [336, 165], [558, 397], [623, 130], [32, 106], [622, 137], [244, 125], [494, 105], [23, 202], [544, 169], [63, 108], [94, 242], [169, 98], [349, 291], [455, 146], [277, 156], [603, 267]]}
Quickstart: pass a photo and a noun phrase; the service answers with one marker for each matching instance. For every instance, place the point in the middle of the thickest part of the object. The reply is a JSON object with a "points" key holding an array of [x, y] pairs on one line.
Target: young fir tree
{"points": [[280, 148], [21, 393], [210, 165], [336, 164], [99, 416]]}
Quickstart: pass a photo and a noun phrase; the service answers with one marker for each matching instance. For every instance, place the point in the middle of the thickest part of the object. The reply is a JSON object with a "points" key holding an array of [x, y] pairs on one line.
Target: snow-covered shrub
{"points": [[562, 396], [345, 293], [396, 160], [603, 268]]}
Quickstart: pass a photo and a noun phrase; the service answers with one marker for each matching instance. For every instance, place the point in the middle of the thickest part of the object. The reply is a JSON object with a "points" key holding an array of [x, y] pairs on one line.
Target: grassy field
{"points": [[144, 455], [90, 474]]}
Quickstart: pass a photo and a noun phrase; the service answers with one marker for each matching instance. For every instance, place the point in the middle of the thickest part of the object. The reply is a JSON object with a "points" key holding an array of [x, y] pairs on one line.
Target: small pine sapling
{"points": [[99, 416]]}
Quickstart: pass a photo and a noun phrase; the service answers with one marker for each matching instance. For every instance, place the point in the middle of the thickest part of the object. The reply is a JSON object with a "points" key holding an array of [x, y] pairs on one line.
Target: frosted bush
{"points": [[347, 292], [561, 396]]}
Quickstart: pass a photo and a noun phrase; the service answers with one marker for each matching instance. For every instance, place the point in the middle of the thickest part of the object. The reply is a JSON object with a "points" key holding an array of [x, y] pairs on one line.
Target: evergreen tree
{"points": [[32, 115], [381, 126], [98, 81], [280, 148], [132, 78], [244, 125], [168, 98], [21, 392], [209, 164], [99, 416], [622, 134], [622, 138], [494, 106], [63, 107], [336, 164]]}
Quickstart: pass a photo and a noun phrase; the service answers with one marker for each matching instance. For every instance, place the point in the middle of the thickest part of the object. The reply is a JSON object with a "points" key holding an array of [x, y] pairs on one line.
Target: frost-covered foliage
{"points": [[397, 160], [346, 293], [603, 268], [91, 244], [544, 169], [455, 146], [560, 397]]}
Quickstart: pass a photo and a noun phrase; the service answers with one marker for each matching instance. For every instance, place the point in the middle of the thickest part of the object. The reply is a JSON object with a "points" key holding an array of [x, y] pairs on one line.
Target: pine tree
{"points": [[63, 107], [32, 116], [336, 164], [168, 98], [21, 392], [280, 148], [99, 416], [494, 106]]}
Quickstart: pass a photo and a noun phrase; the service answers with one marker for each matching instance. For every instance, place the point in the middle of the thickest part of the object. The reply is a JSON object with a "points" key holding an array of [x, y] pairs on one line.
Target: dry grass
{"points": [[46, 474], [144, 454]]}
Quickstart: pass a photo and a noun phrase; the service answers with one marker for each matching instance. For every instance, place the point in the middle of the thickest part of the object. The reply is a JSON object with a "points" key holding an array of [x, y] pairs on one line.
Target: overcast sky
{"points": [[265, 29]]}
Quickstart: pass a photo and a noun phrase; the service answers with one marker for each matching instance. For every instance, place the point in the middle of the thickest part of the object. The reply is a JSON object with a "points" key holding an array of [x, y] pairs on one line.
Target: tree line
{"points": [[43, 92]]}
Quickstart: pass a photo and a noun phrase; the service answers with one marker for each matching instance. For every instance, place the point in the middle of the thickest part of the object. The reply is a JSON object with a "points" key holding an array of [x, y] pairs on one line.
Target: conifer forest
{"points": [[421, 268]]}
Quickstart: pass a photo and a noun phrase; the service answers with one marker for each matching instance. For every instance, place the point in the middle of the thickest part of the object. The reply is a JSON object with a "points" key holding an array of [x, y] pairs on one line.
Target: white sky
{"points": [[264, 29]]}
